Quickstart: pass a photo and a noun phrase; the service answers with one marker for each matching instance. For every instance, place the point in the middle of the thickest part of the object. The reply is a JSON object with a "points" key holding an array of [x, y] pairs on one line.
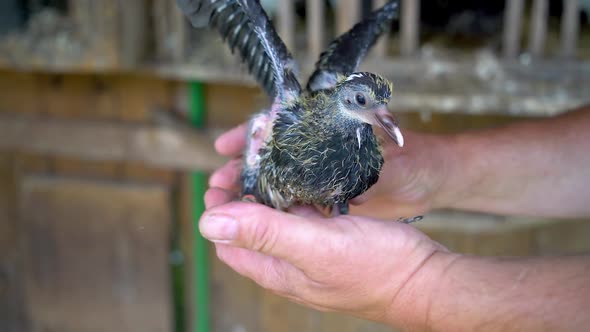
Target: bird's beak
{"points": [[386, 121]]}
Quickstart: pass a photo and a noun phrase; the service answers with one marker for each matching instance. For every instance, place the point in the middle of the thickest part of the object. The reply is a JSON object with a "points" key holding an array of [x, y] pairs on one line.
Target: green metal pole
{"points": [[201, 247]]}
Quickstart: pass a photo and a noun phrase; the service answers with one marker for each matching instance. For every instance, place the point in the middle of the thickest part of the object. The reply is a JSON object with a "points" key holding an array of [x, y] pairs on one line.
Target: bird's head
{"points": [[364, 97]]}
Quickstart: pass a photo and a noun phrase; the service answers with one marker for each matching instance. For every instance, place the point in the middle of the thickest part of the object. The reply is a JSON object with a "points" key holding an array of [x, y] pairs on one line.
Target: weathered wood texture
{"points": [[92, 35], [240, 305], [410, 27], [315, 27], [12, 301], [129, 99], [170, 31], [114, 34], [237, 303], [479, 85], [166, 147], [96, 255]]}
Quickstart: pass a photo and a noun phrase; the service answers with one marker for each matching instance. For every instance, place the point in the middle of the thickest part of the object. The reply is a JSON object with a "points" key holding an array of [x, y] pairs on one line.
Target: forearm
{"points": [[539, 168], [467, 293]]}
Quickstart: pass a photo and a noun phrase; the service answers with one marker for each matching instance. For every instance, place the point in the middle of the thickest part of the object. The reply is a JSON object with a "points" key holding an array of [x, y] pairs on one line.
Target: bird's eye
{"points": [[360, 99]]}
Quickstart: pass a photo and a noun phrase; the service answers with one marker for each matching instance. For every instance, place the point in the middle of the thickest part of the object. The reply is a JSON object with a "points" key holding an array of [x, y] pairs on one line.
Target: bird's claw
{"points": [[248, 199], [410, 220]]}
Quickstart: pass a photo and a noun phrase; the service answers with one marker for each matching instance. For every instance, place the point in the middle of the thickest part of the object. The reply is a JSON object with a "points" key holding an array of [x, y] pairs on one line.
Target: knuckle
{"points": [[264, 237]]}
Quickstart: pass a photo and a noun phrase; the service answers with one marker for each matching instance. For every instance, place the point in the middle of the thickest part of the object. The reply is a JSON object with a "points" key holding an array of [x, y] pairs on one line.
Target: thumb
{"points": [[260, 228]]}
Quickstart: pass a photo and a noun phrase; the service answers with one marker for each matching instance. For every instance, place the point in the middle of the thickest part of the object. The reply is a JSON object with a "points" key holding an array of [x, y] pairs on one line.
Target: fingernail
{"points": [[219, 228]]}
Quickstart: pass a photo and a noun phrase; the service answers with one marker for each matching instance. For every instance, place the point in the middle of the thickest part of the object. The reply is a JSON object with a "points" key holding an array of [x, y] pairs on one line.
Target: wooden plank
{"points": [[105, 97], [468, 85], [158, 146], [96, 255], [347, 14], [570, 28], [139, 172], [339, 322], [538, 27], [380, 48], [542, 87], [512, 28], [410, 27], [132, 20], [186, 231], [228, 112], [31, 163], [235, 304], [79, 97], [140, 96], [316, 27], [286, 26], [110, 34], [115, 31], [479, 233], [274, 313], [16, 90], [171, 31], [12, 305], [139, 99], [85, 168], [281, 315], [8, 201], [127, 97]]}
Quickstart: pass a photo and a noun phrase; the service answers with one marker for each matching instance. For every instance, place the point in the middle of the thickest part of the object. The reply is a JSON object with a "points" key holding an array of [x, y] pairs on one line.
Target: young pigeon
{"points": [[314, 145]]}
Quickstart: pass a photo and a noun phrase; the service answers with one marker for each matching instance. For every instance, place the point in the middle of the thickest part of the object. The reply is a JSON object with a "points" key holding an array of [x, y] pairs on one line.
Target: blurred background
{"points": [[108, 110]]}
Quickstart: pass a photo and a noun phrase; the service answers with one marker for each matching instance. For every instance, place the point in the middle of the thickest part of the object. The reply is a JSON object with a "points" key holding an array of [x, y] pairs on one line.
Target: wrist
{"points": [[457, 171], [411, 308]]}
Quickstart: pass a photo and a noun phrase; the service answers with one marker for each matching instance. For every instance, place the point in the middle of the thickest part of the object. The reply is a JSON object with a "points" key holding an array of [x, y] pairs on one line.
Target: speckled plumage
{"points": [[317, 157], [313, 146]]}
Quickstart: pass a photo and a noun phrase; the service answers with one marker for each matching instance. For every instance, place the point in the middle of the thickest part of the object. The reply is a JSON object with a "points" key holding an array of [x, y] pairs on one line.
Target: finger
{"points": [[260, 228], [232, 142], [217, 196], [359, 199], [228, 175], [306, 211], [267, 271]]}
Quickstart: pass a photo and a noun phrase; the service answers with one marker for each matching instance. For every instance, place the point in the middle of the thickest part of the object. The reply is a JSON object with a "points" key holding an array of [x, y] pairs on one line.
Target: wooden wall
{"points": [[84, 242]]}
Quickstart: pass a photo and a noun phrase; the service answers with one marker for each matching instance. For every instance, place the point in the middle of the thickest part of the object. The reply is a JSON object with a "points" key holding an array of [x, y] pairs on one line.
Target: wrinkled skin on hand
{"points": [[355, 265]]}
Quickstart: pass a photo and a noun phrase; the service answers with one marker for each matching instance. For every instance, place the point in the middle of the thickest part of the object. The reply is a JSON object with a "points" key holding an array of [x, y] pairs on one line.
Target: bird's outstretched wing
{"points": [[345, 53], [244, 25]]}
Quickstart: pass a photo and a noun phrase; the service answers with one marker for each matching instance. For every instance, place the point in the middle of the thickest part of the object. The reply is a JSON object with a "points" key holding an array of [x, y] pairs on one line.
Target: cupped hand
{"points": [[354, 265], [412, 179], [410, 182]]}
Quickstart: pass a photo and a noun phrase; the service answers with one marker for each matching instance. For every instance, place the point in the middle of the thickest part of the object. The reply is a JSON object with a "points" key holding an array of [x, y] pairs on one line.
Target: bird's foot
{"points": [[339, 209], [410, 220], [248, 199]]}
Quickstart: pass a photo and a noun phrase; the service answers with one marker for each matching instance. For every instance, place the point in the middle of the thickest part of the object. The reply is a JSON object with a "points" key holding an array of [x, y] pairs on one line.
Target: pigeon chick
{"points": [[314, 145]]}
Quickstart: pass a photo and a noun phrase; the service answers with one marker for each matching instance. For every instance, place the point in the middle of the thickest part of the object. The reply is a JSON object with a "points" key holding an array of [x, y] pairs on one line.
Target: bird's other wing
{"points": [[244, 25], [344, 54]]}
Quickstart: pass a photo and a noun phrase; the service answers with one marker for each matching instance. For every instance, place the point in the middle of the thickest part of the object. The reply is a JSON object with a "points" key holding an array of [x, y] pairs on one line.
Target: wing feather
{"points": [[344, 54], [244, 25]]}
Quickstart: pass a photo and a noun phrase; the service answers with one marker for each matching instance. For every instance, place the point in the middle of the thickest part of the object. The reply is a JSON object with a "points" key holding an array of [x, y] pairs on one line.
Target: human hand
{"points": [[360, 266], [410, 183]]}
